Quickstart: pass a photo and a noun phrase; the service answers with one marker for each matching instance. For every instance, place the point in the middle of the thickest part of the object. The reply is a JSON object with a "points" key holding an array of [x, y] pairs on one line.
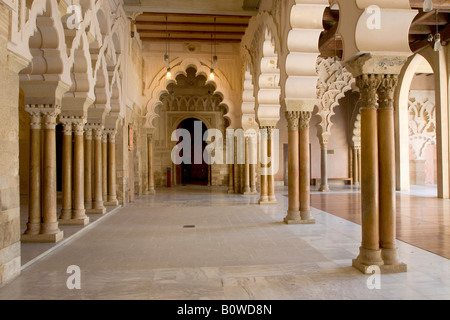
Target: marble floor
{"points": [[193, 243]]}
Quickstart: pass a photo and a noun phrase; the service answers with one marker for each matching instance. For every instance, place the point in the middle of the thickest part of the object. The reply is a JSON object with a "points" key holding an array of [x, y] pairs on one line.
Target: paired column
{"points": [[112, 197], [305, 175], [356, 165], [104, 165], [377, 175], [48, 230], [151, 181], [73, 212], [247, 190], [293, 214], [253, 163], [97, 204], [88, 168]]}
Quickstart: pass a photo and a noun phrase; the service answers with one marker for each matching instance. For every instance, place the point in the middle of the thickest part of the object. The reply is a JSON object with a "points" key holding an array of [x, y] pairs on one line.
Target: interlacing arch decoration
{"points": [[422, 124], [81, 49], [332, 85], [248, 101]]}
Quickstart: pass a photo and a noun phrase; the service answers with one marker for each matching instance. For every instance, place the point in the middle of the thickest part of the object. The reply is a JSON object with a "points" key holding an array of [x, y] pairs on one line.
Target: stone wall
{"points": [[9, 156]]}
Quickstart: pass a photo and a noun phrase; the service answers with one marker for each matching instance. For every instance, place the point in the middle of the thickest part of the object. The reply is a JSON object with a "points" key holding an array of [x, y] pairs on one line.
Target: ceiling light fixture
{"points": [[427, 5], [167, 54], [213, 54], [437, 36]]}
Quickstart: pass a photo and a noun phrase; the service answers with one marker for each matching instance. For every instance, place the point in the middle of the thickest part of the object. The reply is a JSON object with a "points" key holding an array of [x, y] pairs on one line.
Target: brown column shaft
{"points": [[112, 196], [78, 210], [270, 176], [88, 169], [105, 166], [151, 183], [66, 211], [264, 178], [247, 166], [98, 192], [293, 167], [305, 179], [49, 206], [34, 218]]}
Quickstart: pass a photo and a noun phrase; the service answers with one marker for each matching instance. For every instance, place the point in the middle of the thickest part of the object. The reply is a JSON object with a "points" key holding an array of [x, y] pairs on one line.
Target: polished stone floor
{"points": [[197, 243]]}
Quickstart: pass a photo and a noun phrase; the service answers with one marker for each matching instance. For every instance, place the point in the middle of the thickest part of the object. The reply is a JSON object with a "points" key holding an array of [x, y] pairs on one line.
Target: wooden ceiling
{"points": [[230, 28], [191, 27]]}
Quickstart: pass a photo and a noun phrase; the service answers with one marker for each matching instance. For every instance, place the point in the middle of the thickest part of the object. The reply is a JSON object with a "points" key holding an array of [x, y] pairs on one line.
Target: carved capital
{"points": [[293, 118], [368, 85], [36, 121], [88, 133], [386, 91], [305, 118]]}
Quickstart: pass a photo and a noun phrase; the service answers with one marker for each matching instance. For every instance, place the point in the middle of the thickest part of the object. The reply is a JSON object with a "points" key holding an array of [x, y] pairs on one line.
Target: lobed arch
{"points": [[248, 100], [178, 67]]}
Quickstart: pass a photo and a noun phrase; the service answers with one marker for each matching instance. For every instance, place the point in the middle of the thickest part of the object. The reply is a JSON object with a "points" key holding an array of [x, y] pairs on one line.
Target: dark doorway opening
{"points": [[194, 173]]}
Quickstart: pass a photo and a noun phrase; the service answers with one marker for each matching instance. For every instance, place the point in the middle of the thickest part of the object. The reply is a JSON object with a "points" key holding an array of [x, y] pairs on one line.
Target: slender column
{"points": [[49, 225], [98, 207], [66, 211], [253, 164], [264, 198], [293, 213], [387, 172], [324, 166], [247, 167], [305, 175], [270, 176], [112, 197], [231, 179], [370, 253], [34, 218], [356, 165], [151, 183], [78, 209], [236, 166], [88, 168], [104, 165]]}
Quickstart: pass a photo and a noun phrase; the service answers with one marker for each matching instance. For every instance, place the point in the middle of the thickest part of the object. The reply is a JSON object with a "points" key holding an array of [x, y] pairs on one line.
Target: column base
{"points": [[151, 191], [33, 229], [111, 203], [230, 191], [324, 188], [250, 193], [74, 222], [96, 211], [293, 217], [65, 214], [42, 238], [366, 259]]}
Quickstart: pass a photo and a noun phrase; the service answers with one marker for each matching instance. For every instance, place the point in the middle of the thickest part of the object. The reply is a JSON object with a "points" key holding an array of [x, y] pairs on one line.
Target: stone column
{"points": [[231, 179], [151, 182], [66, 211], [386, 145], [370, 253], [253, 164], [246, 190], [97, 207], [324, 165], [264, 198], [236, 167], [305, 175], [112, 196], [49, 226], [270, 176], [34, 206], [356, 165], [78, 209], [293, 213], [104, 165], [88, 168]]}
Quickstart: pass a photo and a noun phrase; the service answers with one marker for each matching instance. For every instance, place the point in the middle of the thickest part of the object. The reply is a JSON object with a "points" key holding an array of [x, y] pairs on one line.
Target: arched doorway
{"points": [[195, 172]]}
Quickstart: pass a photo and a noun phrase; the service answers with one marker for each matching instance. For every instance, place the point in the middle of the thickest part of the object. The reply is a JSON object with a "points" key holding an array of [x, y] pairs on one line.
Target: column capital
{"points": [[111, 135], [97, 129], [386, 91], [305, 118], [88, 133], [104, 136], [293, 118], [368, 85], [35, 120]]}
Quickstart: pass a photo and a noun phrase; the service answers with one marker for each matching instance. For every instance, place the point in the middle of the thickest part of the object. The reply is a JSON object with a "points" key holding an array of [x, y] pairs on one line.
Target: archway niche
{"points": [[190, 96]]}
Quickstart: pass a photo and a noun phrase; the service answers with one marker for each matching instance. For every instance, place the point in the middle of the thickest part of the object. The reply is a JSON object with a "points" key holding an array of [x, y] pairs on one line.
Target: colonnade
{"points": [[242, 172], [88, 153]]}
